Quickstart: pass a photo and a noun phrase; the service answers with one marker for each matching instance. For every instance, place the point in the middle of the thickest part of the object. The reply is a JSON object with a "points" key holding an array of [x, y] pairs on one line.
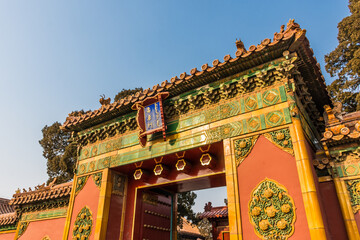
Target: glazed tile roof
{"points": [[7, 214], [340, 127], [290, 39], [41, 193], [215, 212], [189, 229], [5, 207], [8, 218]]}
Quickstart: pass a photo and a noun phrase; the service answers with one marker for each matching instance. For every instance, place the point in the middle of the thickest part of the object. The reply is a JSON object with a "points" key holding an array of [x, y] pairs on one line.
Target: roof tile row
{"points": [[43, 193], [340, 125], [5, 207], [8, 218], [215, 212]]}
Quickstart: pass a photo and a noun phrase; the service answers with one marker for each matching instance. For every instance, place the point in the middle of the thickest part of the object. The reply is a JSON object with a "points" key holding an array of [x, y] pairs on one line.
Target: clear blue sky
{"points": [[59, 56]]}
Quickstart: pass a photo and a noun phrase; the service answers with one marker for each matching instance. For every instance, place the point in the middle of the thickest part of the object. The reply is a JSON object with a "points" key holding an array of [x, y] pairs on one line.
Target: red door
{"points": [[153, 218]]}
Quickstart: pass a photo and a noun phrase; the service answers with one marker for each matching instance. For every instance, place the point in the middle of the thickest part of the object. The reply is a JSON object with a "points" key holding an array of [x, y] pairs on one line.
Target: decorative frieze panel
{"points": [[97, 177], [83, 224], [350, 155], [347, 161], [347, 170], [243, 147], [205, 96], [216, 134], [22, 228], [127, 124], [282, 139], [268, 97], [353, 187], [49, 204], [272, 211], [44, 214], [80, 183]]}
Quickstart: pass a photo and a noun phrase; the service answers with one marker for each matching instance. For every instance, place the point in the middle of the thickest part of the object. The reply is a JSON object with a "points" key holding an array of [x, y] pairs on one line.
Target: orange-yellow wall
{"points": [[39, 229], [7, 236], [88, 196], [268, 161]]}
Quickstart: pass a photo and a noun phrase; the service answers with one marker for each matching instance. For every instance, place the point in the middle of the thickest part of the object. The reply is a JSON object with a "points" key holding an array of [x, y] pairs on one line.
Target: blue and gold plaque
{"points": [[152, 117]]}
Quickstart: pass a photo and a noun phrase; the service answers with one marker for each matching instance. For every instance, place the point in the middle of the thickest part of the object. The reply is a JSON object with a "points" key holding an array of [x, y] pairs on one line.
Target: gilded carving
{"points": [[348, 155], [80, 183], [119, 182], [282, 139], [45, 205], [97, 179], [353, 187], [243, 147], [46, 238], [22, 228], [126, 124], [272, 211], [83, 224], [150, 199]]}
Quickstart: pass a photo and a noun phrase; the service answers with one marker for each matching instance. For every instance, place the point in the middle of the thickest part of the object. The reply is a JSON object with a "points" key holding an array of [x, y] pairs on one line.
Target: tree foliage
{"points": [[185, 202], [59, 152], [126, 92], [60, 155], [205, 228], [344, 61]]}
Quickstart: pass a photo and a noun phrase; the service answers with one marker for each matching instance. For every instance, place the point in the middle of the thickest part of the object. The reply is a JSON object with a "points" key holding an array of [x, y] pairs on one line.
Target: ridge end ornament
{"points": [[150, 116]]}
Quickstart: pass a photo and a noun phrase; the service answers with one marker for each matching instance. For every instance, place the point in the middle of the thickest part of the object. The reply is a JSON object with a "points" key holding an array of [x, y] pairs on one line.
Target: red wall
{"points": [[54, 228], [7, 236], [268, 161], [88, 196], [115, 215], [130, 202], [357, 219], [332, 210]]}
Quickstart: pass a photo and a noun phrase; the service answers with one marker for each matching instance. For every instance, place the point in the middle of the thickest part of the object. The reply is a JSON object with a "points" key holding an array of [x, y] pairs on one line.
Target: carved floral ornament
{"points": [[243, 148], [272, 211], [281, 138], [83, 224], [22, 228], [81, 181], [349, 155], [353, 187]]}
